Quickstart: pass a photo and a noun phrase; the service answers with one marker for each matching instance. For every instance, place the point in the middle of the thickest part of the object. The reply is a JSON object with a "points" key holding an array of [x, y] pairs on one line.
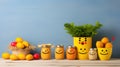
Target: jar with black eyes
{"points": [[93, 54], [59, 52]]}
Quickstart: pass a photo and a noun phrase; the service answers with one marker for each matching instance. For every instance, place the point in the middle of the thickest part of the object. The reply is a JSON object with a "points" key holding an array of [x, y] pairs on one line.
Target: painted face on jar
{"points": [[83, 51], [104, 52], [46, 50], [92, 53], [71, 51], [82, 41], [59, 50]]}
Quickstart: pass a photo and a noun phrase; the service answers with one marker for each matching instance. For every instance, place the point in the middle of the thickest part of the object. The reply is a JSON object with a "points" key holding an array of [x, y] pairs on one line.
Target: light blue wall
{"points": [[42, 21]]}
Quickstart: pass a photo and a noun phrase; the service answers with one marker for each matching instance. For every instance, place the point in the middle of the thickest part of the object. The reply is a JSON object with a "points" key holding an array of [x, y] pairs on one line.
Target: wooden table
{"points": [[60, 63]]}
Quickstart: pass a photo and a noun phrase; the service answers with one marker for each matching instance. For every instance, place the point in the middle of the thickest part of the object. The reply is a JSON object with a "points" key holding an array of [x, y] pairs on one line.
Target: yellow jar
{"points": [[83, 45], [59, 52], [46, 52], [71, 53]]}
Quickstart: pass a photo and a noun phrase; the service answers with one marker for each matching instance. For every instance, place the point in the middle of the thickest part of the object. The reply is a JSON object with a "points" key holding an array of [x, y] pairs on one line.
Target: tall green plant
{"points": [[87, 30]]}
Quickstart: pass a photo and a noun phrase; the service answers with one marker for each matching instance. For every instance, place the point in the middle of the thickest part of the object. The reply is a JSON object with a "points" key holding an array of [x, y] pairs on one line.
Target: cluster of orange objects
{"points": [[104, 43]]}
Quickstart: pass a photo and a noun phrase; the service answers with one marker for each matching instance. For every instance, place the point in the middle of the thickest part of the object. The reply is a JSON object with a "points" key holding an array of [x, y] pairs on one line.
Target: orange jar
{"points": [[59, 52], [46, 52], [71, 53]]}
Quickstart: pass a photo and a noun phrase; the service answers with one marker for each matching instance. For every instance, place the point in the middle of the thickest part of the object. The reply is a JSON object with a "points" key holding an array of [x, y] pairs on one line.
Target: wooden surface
{"points": [[60, 63]]}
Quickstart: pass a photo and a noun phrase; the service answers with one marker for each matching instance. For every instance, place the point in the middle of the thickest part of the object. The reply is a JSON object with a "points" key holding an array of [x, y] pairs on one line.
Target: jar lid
{"points": [[59, 46], [70, 46], [93, 48], [45, 45]]}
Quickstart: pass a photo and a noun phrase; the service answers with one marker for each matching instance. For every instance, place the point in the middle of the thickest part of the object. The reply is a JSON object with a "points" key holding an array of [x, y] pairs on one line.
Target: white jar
{"points": [[93, 54]]}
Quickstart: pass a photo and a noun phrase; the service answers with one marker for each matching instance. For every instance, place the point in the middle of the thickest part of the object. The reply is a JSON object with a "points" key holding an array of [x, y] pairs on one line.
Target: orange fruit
{"points": [[26, 44], [21, 56], [20, 45], [99, 44], [105, 40], [29, 57], [18, 39], [13, 57], [5, 55], [108, 45]]}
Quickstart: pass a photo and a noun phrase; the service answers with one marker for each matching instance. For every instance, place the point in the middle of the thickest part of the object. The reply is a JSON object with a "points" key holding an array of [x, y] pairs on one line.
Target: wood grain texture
{"points": [[60, 63]]}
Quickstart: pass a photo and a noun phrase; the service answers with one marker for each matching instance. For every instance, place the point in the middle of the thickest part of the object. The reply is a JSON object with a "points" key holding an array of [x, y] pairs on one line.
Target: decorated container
{"points": [[71, 53], [93, 54], [59, 52], [104, 53], [46, 52], [83, 45]]}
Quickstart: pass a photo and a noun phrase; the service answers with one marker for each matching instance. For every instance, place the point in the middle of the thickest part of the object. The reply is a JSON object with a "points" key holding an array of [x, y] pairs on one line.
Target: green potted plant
{"points": [[82, 37]]}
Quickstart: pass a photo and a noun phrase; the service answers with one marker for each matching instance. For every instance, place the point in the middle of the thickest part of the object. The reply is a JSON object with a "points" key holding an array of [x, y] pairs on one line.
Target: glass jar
{"points": [[46, 52], [93, 54], [71, 53], [59, 52]]}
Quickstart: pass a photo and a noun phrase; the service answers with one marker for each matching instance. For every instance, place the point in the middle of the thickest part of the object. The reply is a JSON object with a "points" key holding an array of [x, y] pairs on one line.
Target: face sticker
{"points": [[83, 51], [92, 53], [71, 51], [82, 41], [59, 51], [45, 51], [104, 52]]}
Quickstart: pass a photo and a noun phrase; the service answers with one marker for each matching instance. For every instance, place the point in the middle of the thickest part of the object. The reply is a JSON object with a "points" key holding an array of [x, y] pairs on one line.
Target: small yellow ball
{"points": [[5, 55], [18, 39], [21, 56], [29, 57], [13, 57]]}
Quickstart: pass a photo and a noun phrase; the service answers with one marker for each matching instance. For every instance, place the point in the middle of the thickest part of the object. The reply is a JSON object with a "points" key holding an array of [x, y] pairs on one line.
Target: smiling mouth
{"points": [[59, 53], [103, 54], [82, 53], [70, 53], [45, 52]]}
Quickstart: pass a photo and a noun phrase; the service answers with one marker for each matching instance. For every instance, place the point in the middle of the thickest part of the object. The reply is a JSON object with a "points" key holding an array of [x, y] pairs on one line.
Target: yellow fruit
{"points": [[21, 56], [108, 45], [104, 40], [13, 57], [26, 44], [99, 44], [5, 55], [29, 57], [18, 39], [20, 45]]}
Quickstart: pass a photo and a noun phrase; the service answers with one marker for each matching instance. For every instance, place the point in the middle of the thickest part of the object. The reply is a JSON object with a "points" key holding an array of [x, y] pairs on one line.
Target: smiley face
{"points": [[59, 50], [45, 50], [104, 52], [83, 51], [92, 53], [71, 51], [82, 41]]}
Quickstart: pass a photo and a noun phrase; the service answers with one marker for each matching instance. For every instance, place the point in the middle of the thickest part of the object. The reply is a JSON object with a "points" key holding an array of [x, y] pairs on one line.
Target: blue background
{"points": [[42, 21]]}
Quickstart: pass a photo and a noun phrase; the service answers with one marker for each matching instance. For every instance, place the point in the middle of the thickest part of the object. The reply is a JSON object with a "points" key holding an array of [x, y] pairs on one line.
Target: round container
{"points": [[71, 53], [59, 52], [93, 54], [46, 52]]}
